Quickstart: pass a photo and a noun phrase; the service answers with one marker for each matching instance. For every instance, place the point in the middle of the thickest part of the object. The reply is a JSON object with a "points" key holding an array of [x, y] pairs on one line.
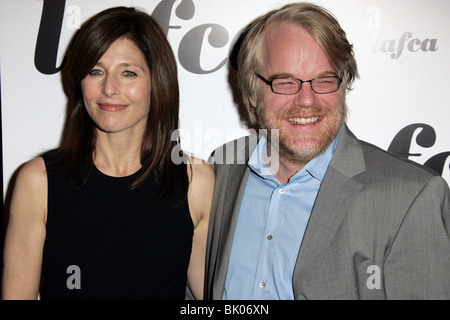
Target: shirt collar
{"points": [[315, 168]]}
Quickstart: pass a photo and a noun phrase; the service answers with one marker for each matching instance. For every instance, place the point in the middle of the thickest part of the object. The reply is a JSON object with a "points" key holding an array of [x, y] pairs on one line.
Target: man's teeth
{"points": [[304, 120]]}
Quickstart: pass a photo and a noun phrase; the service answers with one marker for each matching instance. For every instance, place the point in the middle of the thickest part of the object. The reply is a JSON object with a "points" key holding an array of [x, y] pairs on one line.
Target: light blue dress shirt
{"points": [[270, 228]]}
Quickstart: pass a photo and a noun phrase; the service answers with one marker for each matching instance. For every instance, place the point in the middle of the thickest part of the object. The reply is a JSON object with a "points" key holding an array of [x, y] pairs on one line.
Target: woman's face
{"points": [[116, 92]]}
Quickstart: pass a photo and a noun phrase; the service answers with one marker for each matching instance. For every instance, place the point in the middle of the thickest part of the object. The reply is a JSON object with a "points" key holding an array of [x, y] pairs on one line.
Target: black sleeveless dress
{"points": [[106, 242]]}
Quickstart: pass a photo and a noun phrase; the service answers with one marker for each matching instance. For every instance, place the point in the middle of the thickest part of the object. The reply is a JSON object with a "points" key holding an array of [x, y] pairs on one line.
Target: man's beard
{"points": [[303, 148]]}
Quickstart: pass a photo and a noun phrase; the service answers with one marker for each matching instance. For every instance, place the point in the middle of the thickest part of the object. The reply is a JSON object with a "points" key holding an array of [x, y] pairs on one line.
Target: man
{"points": [[335, 218]]}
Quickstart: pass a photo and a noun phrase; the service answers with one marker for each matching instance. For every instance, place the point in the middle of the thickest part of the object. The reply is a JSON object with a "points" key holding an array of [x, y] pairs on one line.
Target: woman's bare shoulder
{"points": [[201, 188], [33, 171]]}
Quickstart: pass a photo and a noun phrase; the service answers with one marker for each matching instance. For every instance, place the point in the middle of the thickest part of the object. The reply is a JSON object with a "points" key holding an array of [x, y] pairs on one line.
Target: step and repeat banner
{"points": [[400, 102]]}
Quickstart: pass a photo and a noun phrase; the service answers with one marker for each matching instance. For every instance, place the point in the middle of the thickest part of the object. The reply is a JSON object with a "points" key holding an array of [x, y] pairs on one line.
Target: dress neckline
{"points": [[130, 176]]}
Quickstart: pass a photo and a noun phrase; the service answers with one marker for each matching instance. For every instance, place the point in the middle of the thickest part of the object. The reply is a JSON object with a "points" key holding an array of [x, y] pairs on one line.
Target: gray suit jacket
{"points": [[379, 228]]}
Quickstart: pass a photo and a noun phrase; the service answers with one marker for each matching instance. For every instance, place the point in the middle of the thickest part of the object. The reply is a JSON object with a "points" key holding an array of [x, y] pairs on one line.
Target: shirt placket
{"points": [[264, 280]]}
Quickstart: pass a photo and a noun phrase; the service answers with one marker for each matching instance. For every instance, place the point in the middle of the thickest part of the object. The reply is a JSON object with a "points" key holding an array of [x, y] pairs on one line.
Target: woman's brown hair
{"points": [[90, 43]]}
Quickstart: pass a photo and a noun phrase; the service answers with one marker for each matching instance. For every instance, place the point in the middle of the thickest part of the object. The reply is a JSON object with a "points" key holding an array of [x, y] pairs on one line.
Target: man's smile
{"points": [[298, 120]]}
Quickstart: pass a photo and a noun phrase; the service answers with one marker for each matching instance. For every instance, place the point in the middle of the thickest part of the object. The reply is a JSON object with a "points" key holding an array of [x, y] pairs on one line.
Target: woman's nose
{"points": [[110, 86]]}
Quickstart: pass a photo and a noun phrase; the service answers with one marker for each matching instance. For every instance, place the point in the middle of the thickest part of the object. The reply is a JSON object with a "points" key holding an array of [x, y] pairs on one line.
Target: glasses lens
{"points": [[286, 86], [326, 84]]}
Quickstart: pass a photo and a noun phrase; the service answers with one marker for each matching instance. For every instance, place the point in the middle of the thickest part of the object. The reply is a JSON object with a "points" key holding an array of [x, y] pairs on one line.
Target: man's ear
{"points": [[253, 102]]}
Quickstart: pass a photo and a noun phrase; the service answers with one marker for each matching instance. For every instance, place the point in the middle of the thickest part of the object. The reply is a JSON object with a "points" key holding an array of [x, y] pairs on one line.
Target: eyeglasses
{"points": [[320, 85]]}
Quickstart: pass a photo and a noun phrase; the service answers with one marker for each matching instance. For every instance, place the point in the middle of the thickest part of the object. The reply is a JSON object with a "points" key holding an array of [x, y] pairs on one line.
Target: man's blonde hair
{"points": [[321, 25]]}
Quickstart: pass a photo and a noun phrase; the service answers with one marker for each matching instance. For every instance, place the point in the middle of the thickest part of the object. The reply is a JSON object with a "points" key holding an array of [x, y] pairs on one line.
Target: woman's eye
{"points": [[95, 72], [129, 74]]}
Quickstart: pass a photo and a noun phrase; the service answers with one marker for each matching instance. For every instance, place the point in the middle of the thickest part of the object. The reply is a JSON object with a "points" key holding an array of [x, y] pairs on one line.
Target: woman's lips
{"points": [[111, 106]]}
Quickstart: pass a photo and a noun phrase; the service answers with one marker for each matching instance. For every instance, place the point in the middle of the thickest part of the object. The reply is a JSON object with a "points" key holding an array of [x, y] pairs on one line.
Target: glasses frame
{"points": [[269, 83]]}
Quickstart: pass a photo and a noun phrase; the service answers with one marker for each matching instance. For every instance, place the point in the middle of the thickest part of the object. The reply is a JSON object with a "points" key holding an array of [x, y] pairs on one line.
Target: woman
{"points": [[109, 215]]}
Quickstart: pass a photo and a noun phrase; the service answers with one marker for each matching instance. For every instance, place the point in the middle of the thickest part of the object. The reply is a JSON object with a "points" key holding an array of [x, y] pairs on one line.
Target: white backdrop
{"points": [[402, 48]]}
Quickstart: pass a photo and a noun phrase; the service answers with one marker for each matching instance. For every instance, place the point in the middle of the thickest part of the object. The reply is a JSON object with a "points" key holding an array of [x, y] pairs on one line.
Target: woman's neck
{"points": [[117, 155]]}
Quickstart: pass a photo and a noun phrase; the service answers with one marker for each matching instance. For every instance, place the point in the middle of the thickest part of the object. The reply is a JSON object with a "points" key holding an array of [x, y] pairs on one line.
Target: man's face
{"points": [[307, 122]]}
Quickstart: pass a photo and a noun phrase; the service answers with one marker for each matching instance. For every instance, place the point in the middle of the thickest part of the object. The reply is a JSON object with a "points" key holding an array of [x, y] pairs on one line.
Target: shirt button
{"points": [[281, 191], [262, 284], [269, 237]]}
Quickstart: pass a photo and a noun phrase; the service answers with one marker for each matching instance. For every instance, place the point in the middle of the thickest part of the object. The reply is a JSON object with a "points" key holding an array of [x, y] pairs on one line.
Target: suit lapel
{"points": [[336, 194], [233, 197], [234, 183]]}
